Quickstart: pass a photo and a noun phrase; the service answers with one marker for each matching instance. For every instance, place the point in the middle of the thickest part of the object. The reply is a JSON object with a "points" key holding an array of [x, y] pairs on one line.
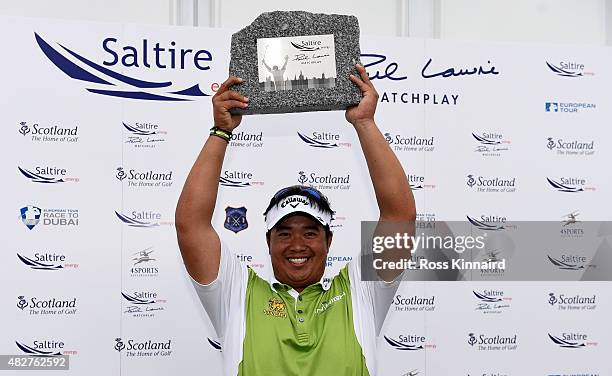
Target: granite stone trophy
{"points": [[296, 61]]}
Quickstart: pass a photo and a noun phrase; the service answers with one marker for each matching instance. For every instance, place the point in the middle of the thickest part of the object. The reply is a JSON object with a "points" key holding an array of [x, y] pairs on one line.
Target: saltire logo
{"points": [[563, 187], [563, 72], [134, 222], [486, 298], [564, 265], [36, 352], [564, 343], [302, 47], [484, 140], [233, 183], [136, 300], [37, 178], [104, 77], [138, 132], [215, 344], [402, 346], [483, 225], [37, 264], [316, 143]]}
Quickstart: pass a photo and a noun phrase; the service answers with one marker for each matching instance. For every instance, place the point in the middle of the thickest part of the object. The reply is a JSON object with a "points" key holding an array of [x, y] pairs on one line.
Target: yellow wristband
{"points": [[216, 131]]}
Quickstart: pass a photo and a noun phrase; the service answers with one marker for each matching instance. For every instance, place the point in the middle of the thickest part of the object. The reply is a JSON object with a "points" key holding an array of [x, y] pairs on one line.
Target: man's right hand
{"points": [[223, 101]]}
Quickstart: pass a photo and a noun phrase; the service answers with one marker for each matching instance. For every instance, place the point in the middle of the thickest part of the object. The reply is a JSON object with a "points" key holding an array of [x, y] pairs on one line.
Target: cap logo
{"points": [[294, 201]]}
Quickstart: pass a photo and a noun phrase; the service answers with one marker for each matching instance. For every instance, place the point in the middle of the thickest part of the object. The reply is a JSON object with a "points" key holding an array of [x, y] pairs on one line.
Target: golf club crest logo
{"points": [[30, 216], [552, 299], [551, 143], [235, 219], [275, 308]]}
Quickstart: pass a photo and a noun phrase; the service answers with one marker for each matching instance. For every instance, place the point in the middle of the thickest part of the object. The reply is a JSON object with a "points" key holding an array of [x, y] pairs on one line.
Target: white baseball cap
{"points": [[296, 204]]}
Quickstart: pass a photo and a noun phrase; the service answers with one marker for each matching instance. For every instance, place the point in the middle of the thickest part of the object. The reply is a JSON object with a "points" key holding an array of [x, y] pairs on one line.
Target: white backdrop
{"points": [[92, 218]]}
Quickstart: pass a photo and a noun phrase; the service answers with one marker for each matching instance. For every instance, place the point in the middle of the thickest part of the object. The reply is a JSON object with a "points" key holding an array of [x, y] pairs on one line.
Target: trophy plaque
{"points": [[294, 61]]}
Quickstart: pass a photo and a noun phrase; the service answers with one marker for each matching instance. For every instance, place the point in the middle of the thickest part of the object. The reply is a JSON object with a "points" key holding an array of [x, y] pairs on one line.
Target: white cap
{"points": [[296, 204]]}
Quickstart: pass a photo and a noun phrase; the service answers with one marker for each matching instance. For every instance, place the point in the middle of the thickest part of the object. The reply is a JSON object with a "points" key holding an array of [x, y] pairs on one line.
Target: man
{"points": [[295, 323], [278, 74]]}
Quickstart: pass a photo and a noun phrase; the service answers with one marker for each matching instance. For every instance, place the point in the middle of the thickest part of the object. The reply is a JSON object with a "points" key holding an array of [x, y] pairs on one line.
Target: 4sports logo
{"points": [[105, 81]]}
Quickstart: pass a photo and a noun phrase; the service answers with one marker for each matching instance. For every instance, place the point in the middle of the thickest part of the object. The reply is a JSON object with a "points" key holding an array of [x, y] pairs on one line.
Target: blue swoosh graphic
{"points": [[136, 95], [67, 66], [128, 80], [76, 72]]}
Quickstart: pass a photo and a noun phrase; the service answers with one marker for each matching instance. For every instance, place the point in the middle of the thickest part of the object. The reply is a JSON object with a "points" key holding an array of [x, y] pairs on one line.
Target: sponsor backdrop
{"points": [[102, 122]]}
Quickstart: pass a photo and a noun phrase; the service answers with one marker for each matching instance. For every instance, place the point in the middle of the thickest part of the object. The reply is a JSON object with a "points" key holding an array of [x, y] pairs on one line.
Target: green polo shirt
{"points": [[268, 329]]}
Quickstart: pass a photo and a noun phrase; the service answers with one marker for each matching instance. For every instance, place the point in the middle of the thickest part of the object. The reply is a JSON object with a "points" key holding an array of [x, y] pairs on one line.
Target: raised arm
{"points": [[393, 193], [199, 243]]}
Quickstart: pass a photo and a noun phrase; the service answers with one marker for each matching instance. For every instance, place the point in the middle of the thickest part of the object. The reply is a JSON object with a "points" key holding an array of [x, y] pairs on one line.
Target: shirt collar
{"points": [[325, 282]]}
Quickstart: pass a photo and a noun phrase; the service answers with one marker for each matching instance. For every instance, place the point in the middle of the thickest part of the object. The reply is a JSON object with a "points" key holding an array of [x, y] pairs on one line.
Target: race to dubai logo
{"points": [[323, 140], [105, 81], [570, 184], [572, 340], [144, 134], [568, 69], [235, 219], [31, 216], [54, 133]]}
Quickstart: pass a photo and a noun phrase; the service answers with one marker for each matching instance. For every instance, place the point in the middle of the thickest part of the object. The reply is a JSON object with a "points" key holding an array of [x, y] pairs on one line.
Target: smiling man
{"points": [[296, 323]]}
